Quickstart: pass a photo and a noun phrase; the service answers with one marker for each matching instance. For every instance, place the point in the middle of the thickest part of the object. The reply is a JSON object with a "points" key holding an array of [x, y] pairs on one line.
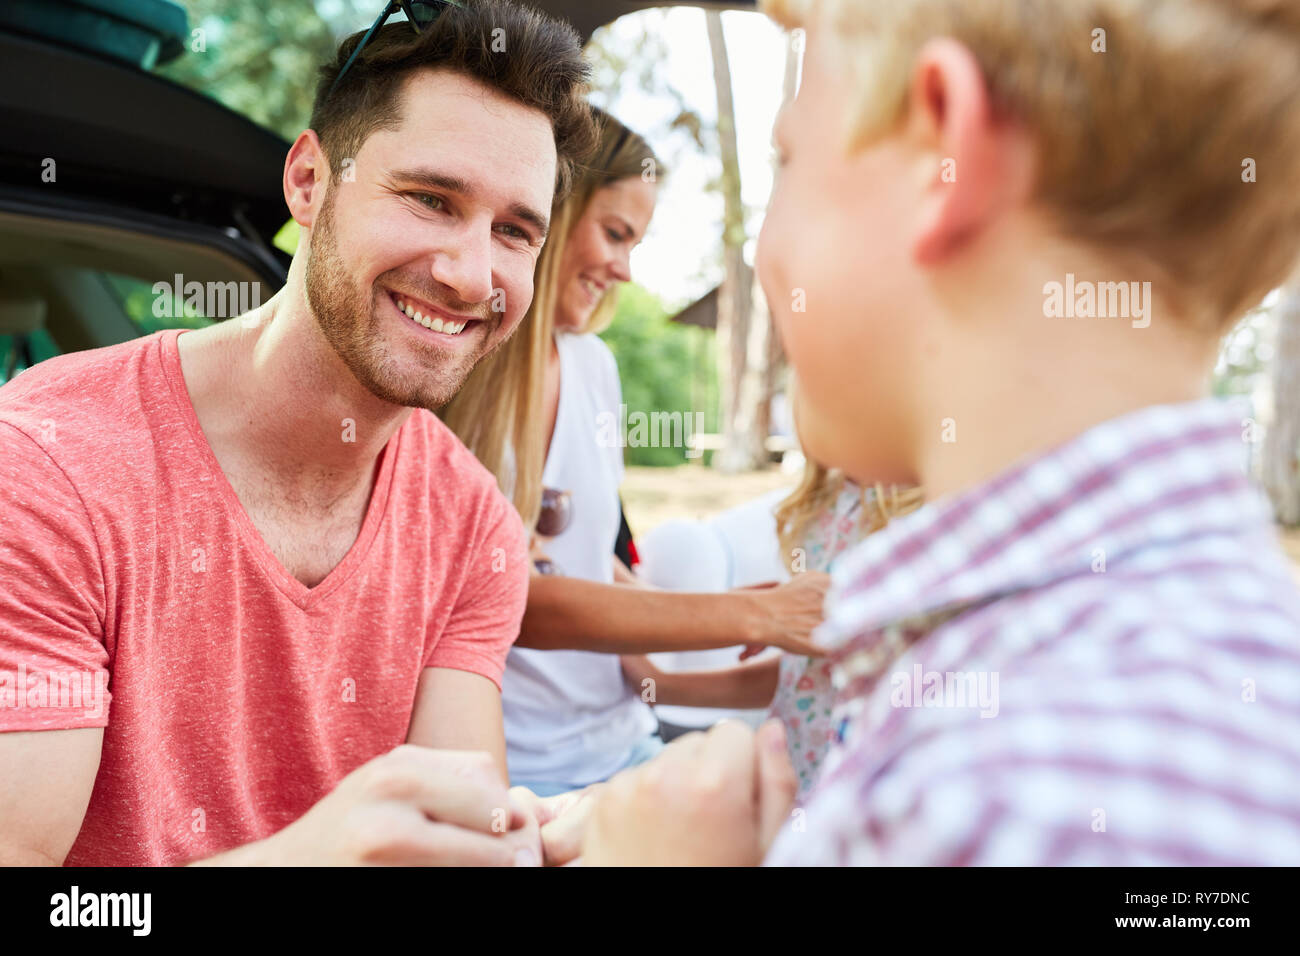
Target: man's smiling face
{"points": [[443, 217]]}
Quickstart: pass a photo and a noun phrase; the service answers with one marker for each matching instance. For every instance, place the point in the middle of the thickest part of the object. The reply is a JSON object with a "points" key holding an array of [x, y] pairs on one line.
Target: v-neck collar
{"points": [[291, 587]]}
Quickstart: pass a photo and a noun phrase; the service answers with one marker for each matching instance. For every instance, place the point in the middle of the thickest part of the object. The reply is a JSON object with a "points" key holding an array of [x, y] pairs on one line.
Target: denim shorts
{"points": [[646, 748]]}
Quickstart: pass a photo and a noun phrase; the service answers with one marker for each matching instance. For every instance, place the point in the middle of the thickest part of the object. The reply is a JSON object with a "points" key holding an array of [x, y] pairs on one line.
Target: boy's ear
{"points": [[969, 163], [306, 175]]}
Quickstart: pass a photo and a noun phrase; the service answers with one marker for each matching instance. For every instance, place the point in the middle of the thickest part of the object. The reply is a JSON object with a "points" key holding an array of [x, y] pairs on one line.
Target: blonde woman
{"points": [[532, 413]]}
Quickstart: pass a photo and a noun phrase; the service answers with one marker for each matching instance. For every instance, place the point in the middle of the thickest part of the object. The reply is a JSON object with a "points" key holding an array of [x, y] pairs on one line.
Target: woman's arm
{"points": [[573, 614], [744, 687]]}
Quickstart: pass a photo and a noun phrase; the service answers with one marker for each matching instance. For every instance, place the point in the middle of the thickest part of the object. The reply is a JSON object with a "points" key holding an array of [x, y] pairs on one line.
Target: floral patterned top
{"points": [[804, 695]]}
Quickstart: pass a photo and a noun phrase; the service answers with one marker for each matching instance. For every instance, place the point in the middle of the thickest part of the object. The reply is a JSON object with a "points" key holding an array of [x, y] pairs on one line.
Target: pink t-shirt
{"points": [[239, 697]]}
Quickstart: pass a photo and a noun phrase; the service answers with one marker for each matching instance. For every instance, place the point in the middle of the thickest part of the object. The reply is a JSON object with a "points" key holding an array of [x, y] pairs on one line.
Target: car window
{"points": [[149, 311], [18, 352]]}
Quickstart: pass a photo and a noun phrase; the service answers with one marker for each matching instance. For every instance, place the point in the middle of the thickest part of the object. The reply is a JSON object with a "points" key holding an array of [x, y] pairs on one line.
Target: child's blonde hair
{"points": [[1149, 148], [816, 494]]}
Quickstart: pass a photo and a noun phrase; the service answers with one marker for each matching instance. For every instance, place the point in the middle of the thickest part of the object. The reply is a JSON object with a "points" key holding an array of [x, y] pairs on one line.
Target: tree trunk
{"points": [[774, 364], [741, 445]]}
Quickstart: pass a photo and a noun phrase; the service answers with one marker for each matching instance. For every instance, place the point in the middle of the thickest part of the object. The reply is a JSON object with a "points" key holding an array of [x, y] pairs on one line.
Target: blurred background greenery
{"points": [[259, 57], [664, 367]]}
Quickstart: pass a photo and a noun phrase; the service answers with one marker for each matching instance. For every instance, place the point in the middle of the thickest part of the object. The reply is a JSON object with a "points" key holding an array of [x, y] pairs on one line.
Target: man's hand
{"points": [[715, 799], [562, 820], [412, 806], [784, 615]]}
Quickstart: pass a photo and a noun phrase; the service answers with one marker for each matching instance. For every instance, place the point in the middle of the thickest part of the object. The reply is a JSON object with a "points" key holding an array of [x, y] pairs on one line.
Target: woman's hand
{"points": [[715, 799], [561, 819], [784, 615]]}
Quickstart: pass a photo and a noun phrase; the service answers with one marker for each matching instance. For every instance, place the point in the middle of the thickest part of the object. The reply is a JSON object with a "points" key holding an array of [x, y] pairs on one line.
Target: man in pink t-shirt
{"points": [[242, 567]]}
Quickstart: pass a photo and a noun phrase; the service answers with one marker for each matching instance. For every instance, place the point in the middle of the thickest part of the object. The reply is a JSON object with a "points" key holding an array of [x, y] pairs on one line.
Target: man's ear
{"points": [[969, 163], [306, 175]]}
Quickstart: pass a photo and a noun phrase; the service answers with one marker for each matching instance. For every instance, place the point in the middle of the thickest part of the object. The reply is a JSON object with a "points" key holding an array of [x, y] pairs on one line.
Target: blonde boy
{"points": [[1005, 243]]}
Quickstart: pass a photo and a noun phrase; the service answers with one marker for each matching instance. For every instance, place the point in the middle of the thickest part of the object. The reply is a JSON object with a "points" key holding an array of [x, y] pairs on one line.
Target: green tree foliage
{"points": [[259, 57], [663, 367]]}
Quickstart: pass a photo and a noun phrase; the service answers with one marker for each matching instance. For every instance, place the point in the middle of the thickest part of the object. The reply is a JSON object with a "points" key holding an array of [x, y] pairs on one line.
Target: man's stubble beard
{"points": [[350, 322]]}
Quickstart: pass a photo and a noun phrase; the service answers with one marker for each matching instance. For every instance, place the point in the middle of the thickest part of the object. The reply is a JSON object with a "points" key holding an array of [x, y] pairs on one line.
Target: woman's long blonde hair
{"points": [[498, 411]]}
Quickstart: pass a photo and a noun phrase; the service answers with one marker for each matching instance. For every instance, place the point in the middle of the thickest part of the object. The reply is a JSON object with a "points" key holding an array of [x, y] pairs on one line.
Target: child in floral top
{"points": [[804, 694], [825, 516]]}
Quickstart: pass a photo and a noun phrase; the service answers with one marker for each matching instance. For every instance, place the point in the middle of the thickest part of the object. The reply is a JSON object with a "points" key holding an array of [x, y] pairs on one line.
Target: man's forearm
{"points": [[573, 614]]}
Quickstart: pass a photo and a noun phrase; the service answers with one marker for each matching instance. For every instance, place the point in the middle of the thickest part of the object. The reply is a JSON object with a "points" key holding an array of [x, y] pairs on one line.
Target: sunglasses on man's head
{"points": [[419, 14]]}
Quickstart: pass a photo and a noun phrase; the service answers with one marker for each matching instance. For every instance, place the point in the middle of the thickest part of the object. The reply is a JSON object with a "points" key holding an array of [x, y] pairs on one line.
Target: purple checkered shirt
{"points": [[1093, 658]]}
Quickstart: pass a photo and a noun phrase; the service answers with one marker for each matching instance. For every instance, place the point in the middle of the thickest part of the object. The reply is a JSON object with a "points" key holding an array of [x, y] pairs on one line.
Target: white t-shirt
{"points": [[734, 549], [569, 715]]}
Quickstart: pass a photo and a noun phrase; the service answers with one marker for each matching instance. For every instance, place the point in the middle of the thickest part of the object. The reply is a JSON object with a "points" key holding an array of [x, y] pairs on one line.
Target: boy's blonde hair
{"points": [[1144, 149]]}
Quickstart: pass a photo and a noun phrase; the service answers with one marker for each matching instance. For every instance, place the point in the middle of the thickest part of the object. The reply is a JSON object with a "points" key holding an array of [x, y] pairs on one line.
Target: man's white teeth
{"points": [[436, 324]]}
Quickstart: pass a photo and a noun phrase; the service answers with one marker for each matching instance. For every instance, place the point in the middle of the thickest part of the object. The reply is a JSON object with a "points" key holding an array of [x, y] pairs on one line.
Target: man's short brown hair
{"points": [[526, 55]]}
